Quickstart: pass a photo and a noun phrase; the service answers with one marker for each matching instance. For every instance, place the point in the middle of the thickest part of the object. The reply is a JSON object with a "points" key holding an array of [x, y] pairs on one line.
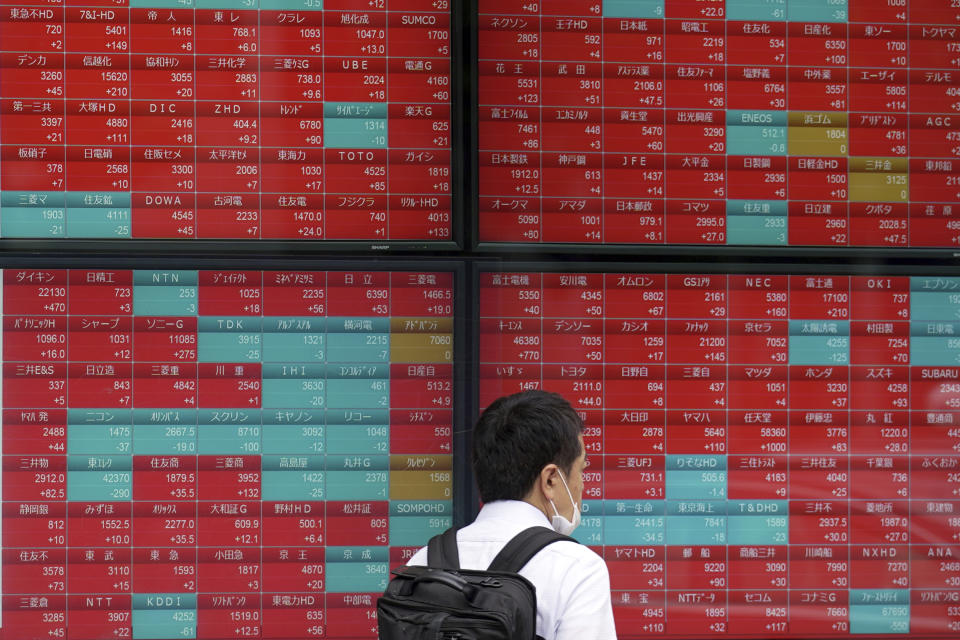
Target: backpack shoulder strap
{"points": [[442, 550], [524, 546]]}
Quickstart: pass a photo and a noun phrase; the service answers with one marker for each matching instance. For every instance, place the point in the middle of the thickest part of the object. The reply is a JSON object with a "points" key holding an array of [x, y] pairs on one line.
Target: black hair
{"points": [[517, 436]]}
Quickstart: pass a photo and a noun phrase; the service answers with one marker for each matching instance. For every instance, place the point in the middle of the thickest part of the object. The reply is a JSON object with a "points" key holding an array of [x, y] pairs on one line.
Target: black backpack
{"points": [[444, 602]]}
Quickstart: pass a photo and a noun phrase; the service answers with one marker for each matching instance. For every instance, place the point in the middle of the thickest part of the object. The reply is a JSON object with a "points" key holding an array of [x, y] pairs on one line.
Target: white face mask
{"points": [[561, 524]]}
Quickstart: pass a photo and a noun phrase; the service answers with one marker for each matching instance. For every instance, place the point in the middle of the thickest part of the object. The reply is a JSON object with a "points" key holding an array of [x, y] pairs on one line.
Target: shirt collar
{"points": [[517, 512]]}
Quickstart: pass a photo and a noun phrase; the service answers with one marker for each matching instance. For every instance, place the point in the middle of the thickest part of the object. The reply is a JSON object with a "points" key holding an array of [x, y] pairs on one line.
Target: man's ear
{"points": [[548, 481]]}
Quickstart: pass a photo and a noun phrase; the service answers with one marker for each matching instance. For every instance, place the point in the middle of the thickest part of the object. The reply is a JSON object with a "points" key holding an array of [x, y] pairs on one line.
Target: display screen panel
{"points": [[219, 453], [768, 455], [827, 123], [212, 119]]}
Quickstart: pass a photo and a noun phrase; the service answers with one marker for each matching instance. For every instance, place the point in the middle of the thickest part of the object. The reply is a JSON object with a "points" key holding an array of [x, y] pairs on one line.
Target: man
{"points": [[528, 460]]}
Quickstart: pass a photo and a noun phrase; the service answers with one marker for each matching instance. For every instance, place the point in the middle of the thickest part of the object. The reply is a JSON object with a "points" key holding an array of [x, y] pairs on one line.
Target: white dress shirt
{"points": [[572, 582]]}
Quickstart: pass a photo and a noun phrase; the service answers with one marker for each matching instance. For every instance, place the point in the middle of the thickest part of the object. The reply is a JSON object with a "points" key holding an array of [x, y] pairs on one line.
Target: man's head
{"points": [[522, 444]]}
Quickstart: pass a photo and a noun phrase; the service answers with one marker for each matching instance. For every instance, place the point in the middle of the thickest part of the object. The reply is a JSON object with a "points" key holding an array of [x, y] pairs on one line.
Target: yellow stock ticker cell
{"points": [[424, 340], [428, 477], [817, 133], [878, 179]]}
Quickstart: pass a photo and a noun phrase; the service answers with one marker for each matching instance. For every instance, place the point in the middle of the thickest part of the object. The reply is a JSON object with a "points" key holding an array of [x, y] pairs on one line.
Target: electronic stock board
{"points": [[241, 452], [769, 454], [219, 453], [772, 123], [227, 119]]}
